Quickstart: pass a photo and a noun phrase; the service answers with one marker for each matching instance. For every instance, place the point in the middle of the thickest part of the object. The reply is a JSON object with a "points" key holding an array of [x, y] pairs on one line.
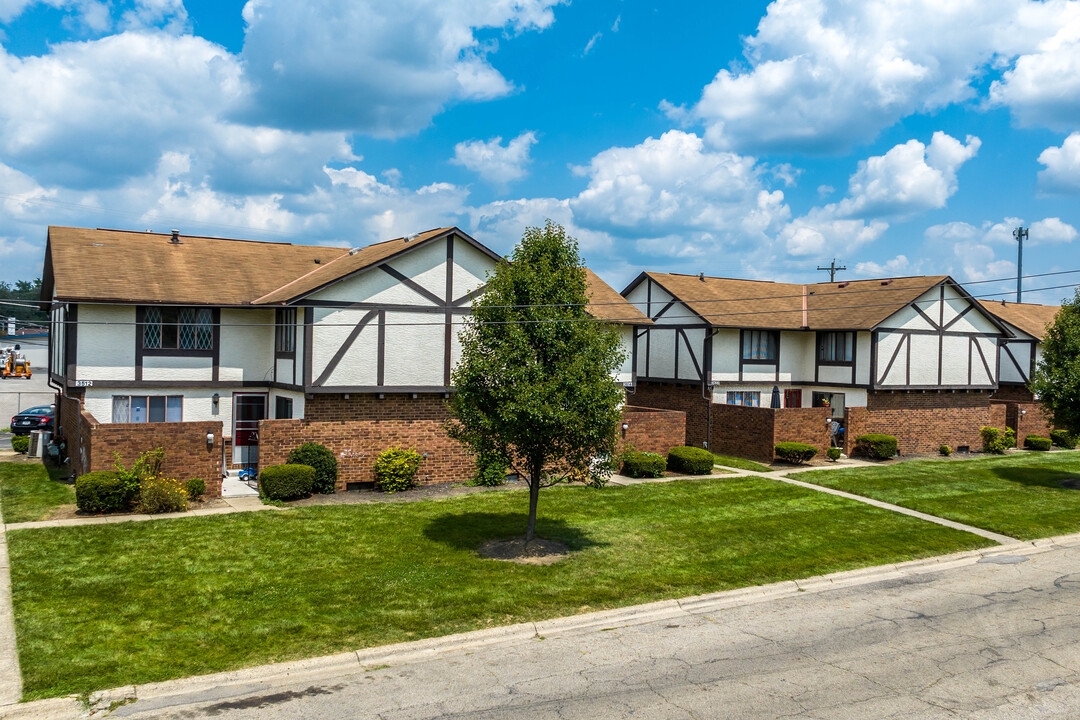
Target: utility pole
{"points": [[832, 269], [1020, 233]]}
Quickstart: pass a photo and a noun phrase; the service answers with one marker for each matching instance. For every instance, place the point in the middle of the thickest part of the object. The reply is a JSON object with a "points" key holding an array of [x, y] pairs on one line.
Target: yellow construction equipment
{"points": [[13, 364]]}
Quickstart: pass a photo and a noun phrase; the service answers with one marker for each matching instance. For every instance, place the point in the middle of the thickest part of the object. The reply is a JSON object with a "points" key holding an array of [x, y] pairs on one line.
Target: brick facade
{"points": [[686, 398], [92, 445], [1017, 406], [921, 421], [753, 432], [653, 430]]}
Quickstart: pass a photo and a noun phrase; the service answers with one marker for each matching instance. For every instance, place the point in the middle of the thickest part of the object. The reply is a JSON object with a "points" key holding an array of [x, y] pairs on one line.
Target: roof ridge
{"points": [[319, 268]]}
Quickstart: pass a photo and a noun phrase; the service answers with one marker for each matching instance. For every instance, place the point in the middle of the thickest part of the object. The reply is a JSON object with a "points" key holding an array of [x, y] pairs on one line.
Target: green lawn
{"points": [[109, 605], [28, 492], [741, 463], [1020, 494]]}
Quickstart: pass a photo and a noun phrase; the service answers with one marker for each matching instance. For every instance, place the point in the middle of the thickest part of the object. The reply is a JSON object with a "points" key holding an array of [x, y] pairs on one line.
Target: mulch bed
{"points": [[538, 551]]}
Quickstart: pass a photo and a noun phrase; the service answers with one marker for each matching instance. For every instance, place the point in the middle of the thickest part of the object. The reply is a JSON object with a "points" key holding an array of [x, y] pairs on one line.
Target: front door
{"points": [[248, 410], [793, 398]]}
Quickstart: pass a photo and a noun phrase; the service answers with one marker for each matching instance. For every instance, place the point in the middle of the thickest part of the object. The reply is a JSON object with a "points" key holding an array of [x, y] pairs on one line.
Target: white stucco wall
{"points": [[157, 367], [414, 353], [862, 358], [798, 353], [359, 366], [725, 355], [247, 345]]}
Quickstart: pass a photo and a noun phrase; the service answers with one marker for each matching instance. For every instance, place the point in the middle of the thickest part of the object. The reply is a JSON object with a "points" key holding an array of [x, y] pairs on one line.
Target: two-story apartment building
{"points": [[915, 357], [220, 350]]}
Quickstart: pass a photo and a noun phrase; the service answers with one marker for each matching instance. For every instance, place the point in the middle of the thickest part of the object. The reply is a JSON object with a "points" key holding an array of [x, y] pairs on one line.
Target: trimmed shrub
{"points": [[876, 445], [690, 460], [286, 482], [196, 488], [162, 494], [795, 452], [319, 457], [833, 453], [1034, 442], [997, 442], [395, 469], [105, 491], [643, 465], [945, 450], [20, 443], [490, 471], [1063, 439]]}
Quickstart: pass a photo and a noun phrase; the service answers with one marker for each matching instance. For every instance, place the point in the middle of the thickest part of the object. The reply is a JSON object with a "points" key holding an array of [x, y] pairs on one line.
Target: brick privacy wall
{"points": [[805, 425], [687, 398], [332, 407], [653, 430], [997, 415], [74, 426], [187, 454], [1032, 422], [745, 432], [921, 422]]}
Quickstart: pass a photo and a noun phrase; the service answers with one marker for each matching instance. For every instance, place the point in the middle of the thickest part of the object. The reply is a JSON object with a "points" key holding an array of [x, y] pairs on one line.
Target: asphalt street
{"points": [[995, 639]]}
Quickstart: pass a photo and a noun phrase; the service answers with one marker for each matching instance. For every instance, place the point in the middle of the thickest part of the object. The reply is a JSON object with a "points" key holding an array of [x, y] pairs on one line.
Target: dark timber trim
{"points": [[412, 285], [345, 346]]}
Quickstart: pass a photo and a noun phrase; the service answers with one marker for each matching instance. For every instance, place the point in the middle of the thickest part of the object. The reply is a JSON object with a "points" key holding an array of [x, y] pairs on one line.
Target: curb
{"points": [[246, 681]]}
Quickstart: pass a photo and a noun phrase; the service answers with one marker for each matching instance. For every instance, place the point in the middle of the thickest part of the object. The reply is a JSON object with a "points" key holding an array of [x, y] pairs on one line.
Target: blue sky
{"points": [[741, 139]]}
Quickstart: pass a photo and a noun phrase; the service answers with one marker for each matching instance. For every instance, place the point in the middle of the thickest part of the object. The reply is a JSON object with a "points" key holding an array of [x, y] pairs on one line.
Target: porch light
{"points": [[215, 398], [210, 439], [625, 426]]}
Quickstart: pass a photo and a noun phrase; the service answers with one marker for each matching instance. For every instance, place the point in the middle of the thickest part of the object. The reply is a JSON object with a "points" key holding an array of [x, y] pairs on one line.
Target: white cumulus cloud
{"points": [[496, 163], [1062, 171]]}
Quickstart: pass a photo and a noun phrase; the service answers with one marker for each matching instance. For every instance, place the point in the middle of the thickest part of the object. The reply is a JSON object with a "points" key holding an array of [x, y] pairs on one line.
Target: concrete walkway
{"points": [[10, 677], [943, 637], [235, 505]]}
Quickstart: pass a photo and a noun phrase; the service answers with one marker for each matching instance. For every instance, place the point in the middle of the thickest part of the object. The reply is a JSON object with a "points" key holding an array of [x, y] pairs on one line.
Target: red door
{"points": [[792, 398]]}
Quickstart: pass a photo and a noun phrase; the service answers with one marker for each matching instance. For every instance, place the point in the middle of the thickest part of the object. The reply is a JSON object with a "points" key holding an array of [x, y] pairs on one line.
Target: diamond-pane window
{"points": [[186, 323], [204, 320], [152, 328]]}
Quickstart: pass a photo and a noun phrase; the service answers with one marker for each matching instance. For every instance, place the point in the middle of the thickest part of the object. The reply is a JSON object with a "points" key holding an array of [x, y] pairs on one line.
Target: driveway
{"points": [[995, 639]]}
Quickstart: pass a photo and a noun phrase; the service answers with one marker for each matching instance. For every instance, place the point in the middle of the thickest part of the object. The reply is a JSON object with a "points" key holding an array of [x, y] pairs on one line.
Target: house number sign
{"points": [[84, 383]]}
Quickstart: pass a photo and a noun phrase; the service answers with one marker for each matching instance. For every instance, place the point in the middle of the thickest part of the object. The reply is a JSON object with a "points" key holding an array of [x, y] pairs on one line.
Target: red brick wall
{"points": [[921, 422], [805, 425], [753, 433], [997, 415], [1032, 420], [333, 407], [687, 398], [653, 430], [187, 454]]}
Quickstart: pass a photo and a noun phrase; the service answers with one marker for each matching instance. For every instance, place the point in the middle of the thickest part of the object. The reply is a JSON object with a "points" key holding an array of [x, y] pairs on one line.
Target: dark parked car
{"points": [[35, 418]]}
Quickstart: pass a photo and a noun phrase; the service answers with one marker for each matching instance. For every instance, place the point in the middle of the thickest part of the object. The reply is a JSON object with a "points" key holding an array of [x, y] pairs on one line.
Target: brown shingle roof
{"points": [[1032, 319], [610, 305], [854, 305], [116, 265]]}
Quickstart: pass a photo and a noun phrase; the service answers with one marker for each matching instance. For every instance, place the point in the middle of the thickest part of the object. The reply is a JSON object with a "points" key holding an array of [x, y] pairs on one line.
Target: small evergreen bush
{"points": [[795, 452], [105, 491], [395, 469], [997, 442], [1034, 442], [643, 465], [833, 453], [286, 482], [690, 460], [490, 471], [945, 450], [1063, 439], [319, 457], [876, 445], [196, 488], [20, 443], [162, 494]]}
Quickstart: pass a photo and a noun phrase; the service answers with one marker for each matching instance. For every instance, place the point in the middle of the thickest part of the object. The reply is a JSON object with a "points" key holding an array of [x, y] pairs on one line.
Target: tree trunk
{"points": [[534, 496]]}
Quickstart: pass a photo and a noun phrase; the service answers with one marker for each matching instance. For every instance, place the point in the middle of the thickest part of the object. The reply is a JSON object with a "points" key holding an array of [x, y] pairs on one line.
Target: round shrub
{"points": [[286, 482], [1034, 442], [162, 494], [833, 453], [196, 488], [395, 469], [105, 491], [322, 459], [997, 442], [490, 471], [20, 443], [875, 445], [1063, 439], [945, 450], [795, 452], [643, 465], [690, 460]]}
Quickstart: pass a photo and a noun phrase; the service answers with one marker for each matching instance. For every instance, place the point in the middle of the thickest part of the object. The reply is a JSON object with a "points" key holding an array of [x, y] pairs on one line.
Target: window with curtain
{"points": [[172, 328], [760, 345], [147, 408], [285, 330], [746, 398], [835, 347]]}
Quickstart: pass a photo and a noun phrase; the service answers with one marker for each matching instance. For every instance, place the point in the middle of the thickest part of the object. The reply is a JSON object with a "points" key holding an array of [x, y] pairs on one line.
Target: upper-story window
{"points": [[173, 328], [760, 345], [836, 347], [285, 330]]}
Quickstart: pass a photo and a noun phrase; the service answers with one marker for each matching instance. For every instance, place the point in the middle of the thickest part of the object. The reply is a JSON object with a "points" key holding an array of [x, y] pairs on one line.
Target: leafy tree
{"points": [[22, 292], [1056, 382], [534, 386]]}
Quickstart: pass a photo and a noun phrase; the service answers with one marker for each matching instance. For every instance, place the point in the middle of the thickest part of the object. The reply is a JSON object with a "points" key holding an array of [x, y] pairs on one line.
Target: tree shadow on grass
{"points": [[467, 531], [1042, 477]]}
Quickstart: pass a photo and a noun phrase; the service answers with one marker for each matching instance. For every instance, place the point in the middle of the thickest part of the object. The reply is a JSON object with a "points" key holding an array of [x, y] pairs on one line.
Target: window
{"points": [[760, 345], [172, 328], [835, 347], [746, 398], [285, 330], [147, 408], [283, 408], [832, 400]]}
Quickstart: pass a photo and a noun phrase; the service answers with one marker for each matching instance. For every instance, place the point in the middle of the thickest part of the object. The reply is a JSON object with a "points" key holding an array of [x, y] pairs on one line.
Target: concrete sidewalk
{"points": [[224, 693], [10, 677], [235, 505]]}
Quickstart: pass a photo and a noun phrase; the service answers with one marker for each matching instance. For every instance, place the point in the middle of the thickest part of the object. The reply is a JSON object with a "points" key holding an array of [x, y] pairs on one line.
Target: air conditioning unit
{"points": [[36, 445]]}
